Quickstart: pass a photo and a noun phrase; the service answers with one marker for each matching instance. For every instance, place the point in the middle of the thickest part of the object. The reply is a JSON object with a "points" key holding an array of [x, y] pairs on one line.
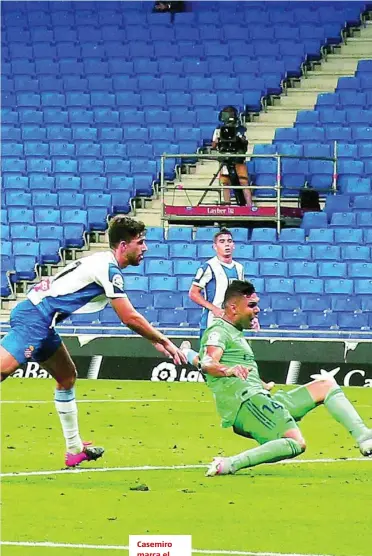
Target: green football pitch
{"points": [[158, 439]]}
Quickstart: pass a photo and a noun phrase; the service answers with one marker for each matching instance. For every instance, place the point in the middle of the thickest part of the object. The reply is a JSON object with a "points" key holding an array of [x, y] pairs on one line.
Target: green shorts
{"points": [[264, 417]]}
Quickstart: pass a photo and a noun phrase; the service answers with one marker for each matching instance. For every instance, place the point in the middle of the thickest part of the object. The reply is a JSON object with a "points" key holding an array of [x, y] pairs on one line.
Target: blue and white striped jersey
{"points": [[83, 286], [213, 277]]}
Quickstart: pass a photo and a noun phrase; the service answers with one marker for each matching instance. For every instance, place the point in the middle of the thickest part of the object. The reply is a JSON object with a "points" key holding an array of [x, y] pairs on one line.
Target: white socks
{"points": [[67, 410]]}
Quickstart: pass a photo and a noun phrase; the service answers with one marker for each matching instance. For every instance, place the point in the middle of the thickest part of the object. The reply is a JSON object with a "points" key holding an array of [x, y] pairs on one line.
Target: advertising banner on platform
{"points": [[157, 370]]}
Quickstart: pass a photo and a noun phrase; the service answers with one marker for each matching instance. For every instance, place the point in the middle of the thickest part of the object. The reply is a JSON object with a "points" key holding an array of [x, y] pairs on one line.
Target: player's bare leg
{"points": [[62, 368], [328, 392], [8, 363]]}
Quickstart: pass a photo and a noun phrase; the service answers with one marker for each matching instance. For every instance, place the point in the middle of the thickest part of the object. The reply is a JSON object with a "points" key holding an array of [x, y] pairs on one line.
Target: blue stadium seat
{"points": [[243, 252], [322, 320], [205, 251], [154, 233], [20, 216], [96, 217], [163, 283], [355, 253], [24, 266], [311, 302], [300, 269], [337, 286], [47, 231], [364, 219], [73, 234], [180, 234], [308, 285], [15, 181], [267, 251], [185, 268], [340, 303], [17, 199], [326, 252], [43, 198], [6, 248], [321, 235], [348, 235], [336, 203], [182, 250], [343, 219], [292, 319], [292, 235], [161, 267], [49, 251], [273, 268], [360, 270], [167, 300], [263, 235], [353, 185], [24, 247], [362, 202], [363, 287], [332, 269], [313, 220], [296, 251], [278, 285], [158, 251], [353, 321]]}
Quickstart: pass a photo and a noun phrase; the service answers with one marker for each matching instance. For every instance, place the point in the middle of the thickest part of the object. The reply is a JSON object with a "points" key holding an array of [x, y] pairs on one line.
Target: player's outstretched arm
{"points": [[135, 321]]}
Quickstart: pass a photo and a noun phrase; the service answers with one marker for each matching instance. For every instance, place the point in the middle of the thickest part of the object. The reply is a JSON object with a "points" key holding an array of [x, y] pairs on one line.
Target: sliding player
{"points": [[244, 401]]}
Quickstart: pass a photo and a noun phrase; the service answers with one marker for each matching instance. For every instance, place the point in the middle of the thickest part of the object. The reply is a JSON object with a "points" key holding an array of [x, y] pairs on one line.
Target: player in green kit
{"points": [[244, 401]]}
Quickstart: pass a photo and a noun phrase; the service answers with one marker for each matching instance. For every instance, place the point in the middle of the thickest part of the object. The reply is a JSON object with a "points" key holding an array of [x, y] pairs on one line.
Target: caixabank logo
{"points": [[31, 370], [168, 372]]}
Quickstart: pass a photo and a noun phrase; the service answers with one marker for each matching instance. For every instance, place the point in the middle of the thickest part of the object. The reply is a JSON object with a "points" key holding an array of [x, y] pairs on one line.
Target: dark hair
{"points": [[123, 228], [221, 232], [238, 288]]}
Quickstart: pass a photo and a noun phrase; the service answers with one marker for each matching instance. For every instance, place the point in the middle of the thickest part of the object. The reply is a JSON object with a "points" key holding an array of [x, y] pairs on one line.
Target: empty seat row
{"points": [[61, 182], [282, 319], [129, 98], [344, 149], [110, 85], [324, 133]]}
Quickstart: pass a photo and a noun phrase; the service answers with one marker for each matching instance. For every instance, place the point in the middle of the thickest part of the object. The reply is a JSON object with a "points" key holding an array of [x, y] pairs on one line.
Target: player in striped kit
{"points": [[84, 286]]}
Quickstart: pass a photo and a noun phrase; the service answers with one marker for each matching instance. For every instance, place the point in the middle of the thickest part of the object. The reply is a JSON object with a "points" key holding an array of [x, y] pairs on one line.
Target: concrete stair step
{"points": [[149, 216], [278, 116], [334, 73]]}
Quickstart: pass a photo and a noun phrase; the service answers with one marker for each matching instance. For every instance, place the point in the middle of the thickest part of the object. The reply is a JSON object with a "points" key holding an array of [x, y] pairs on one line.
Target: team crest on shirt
{"points": [[28, 352], [118, 282]]}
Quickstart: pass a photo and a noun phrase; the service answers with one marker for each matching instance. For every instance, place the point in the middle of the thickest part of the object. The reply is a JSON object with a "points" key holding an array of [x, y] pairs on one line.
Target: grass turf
{"points": [[309, 508]]}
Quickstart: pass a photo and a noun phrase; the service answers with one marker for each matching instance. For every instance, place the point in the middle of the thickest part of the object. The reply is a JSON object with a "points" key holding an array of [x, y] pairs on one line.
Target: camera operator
{"points": [[230, 138]]}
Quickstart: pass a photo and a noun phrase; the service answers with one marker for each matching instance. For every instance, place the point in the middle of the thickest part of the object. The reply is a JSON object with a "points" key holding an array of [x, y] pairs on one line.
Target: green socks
{"points": [[344, 413], [272, 451]]}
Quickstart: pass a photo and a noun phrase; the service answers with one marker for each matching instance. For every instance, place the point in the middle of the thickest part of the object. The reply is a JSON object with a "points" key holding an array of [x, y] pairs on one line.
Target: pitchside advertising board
{"points": [[283, 361]]}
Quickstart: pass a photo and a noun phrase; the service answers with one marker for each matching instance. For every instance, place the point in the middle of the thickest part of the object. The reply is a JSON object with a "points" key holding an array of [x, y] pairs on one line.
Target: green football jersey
{"points": [[230, 392]]}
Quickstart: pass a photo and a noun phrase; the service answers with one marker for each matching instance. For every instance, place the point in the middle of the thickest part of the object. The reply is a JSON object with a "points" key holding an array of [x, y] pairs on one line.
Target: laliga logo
{"points": [[164, 371]]}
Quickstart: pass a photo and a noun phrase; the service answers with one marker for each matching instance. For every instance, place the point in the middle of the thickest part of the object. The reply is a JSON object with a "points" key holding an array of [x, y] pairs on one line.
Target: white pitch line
{"points": [[119, 401], [163, 467], [122, 547], [108, 401]]}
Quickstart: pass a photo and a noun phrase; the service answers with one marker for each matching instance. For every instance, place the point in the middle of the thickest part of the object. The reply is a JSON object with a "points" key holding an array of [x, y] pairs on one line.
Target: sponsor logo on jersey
{"points": [[213, 338], [118, 282]]}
